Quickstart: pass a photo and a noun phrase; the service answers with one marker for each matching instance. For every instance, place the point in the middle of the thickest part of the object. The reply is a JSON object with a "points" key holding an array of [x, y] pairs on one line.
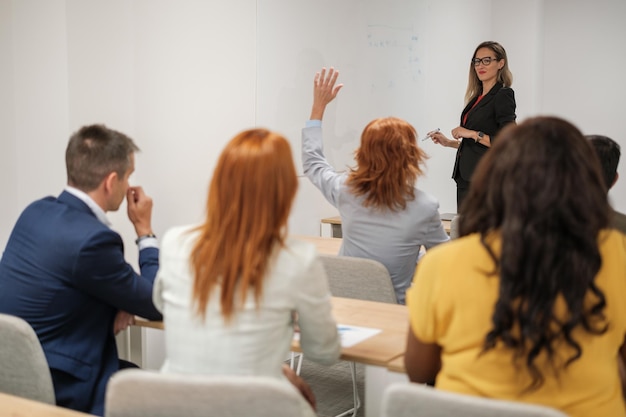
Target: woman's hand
{"points": [[300, 384], [461, 132], [324, 91], [441, 139]]}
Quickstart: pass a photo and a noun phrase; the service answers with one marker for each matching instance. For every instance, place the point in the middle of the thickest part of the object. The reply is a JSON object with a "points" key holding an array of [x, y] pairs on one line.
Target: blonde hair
{"points": [[474, 85], [249, 201], [388, 164]]}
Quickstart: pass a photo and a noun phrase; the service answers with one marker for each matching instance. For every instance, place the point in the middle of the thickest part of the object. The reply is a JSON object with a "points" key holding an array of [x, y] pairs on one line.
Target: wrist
{"points": [[141, 231], [317, 112], [144, 237]]}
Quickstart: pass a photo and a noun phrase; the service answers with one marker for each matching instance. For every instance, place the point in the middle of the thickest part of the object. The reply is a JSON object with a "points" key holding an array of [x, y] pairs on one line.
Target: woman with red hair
{"points": [[230, 288], [384, 216]]}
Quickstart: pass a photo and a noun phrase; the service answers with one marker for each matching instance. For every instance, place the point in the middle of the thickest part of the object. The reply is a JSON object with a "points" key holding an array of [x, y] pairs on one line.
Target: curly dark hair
{"points": [[541, 188]]}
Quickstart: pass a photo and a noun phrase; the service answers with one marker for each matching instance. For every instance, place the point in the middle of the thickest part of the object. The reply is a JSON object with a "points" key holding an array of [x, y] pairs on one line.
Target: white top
{"points": [[392, 238], [257, 340]]}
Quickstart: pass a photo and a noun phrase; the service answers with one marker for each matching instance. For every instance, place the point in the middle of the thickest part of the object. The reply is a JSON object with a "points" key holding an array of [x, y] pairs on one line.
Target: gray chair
{"points": [[416, 400], [24, 369], [363, 279], [140, 393]]}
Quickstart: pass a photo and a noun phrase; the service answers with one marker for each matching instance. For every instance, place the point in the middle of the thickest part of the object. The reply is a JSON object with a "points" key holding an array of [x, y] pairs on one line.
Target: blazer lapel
{"points": [[483, 102], [490, 95]]}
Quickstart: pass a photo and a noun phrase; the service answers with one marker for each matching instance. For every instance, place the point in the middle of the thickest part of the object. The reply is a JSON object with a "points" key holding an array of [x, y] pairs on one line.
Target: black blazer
{"points": [[496, 109]]}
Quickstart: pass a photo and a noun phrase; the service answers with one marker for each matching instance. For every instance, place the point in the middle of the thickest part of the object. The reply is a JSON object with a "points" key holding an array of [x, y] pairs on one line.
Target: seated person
{"points": [[64, 272], [229, 289], [609, 152], [384, 216], [529, 303]]}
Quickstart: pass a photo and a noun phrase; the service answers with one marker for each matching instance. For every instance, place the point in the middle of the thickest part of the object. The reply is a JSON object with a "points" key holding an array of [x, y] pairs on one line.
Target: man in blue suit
{"points": [[63, 269]]}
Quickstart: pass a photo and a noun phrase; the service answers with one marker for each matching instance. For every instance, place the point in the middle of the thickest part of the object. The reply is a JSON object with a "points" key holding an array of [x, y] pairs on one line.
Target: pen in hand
{"points": [[430, 134]]}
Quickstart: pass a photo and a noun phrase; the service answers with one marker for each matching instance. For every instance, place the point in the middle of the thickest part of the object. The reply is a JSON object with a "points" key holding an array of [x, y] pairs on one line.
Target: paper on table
{"points": [[349, 335]]}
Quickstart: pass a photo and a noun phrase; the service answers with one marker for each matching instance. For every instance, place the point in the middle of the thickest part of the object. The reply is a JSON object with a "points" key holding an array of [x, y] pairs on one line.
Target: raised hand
{"points": [[324, 91]]}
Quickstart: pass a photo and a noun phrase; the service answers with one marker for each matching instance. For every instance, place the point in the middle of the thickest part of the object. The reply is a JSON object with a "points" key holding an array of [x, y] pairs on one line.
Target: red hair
{"points": [[249, 200], [388, 164]]}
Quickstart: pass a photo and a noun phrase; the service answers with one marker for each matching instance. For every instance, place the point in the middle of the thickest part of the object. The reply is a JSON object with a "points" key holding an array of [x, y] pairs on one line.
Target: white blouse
{"points": [[257, 339]]}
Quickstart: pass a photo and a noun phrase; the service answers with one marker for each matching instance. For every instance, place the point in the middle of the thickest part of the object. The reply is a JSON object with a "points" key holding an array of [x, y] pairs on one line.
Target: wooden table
{"points": [[138, 339], [12, 406], [381, 348], [331, 226], [375, 352], [324, 245], [397, 365]]}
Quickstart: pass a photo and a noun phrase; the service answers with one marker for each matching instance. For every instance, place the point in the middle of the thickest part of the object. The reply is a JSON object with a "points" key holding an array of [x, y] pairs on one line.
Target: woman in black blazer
{"points": [[490, 104]]}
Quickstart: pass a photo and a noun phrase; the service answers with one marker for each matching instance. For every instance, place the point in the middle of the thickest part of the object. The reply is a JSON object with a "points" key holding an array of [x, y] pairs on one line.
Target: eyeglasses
{"points": [[485, 61]]}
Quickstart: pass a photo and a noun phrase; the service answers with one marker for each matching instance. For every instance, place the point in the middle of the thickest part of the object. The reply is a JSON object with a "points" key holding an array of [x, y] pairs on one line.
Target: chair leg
{"points": [[292, 362], [355, 393], [299, 368]]}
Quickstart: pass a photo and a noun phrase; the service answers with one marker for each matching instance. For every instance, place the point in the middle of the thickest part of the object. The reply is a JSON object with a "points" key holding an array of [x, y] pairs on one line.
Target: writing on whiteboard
{"points": [[401, 41]]}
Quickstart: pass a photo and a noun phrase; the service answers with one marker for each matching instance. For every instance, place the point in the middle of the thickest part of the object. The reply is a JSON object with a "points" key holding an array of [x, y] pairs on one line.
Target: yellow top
{"points": [[451, 304]]}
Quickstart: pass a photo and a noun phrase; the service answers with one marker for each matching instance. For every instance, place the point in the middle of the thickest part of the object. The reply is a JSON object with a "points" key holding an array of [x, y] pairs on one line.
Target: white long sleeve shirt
{"points": [[257, 340]]}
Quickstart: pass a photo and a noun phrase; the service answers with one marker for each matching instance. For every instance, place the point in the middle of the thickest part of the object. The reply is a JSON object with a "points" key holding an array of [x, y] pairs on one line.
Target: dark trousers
{"points": [[462, 187], [79, 394]]}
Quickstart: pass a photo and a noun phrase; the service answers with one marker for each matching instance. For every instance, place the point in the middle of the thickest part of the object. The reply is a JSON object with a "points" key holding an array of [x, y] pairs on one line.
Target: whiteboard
{"points": [[376, 45]]}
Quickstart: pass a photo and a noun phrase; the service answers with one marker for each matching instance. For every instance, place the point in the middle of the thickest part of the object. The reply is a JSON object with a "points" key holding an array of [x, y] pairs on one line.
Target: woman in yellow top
{"points": [[530, 303]]}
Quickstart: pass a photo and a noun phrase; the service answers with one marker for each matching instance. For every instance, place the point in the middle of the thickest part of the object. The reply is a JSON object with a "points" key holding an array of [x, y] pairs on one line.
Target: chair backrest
{"points": [[23, 366], [140, 393], [360, 278], [417, 400]]}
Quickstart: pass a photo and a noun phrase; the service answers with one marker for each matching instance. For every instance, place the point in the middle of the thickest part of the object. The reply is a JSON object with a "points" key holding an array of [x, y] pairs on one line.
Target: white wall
{"points": [[584, 60], [8, 153], [177, 77], [181, 79]]}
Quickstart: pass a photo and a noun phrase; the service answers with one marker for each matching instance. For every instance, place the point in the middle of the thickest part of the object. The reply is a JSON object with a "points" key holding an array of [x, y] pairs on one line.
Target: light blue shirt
{"points": [[393, 238]]}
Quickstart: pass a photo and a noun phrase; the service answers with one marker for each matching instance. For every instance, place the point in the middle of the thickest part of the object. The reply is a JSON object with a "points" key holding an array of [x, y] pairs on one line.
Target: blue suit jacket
{"points": [[64, 272]]}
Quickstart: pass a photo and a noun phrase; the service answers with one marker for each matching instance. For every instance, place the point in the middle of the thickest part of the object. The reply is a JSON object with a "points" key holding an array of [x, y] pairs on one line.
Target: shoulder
{"points": [[179, 237], [451, 266], [464, 251], [425, 202], [70, 221], [612, 273], [613, 244], [290, 264], [300, 250], [505, 92], [52, 207], [426, 197]]}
